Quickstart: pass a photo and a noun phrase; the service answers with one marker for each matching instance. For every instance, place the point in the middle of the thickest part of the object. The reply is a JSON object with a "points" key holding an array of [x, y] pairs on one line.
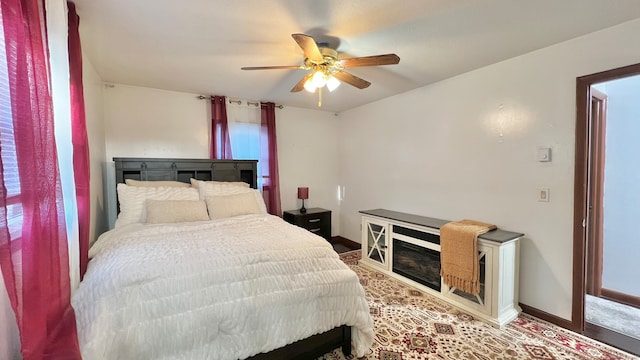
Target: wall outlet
{"points": [[543, 194]]}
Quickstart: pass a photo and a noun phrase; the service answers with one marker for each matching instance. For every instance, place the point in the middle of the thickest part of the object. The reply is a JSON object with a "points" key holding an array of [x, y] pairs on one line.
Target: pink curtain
{"points": [[220, 141], [33, 256], [81, 164], [269, 159]]}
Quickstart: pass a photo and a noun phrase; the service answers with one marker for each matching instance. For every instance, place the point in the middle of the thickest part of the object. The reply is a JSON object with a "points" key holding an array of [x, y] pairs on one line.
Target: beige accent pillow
{"points": [[195, 183], [232, 205], [209, 189], [175, 211], [133, 200], [139, 183]]}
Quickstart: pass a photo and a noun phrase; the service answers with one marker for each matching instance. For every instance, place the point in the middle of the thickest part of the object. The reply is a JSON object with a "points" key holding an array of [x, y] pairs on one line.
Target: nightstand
{"points": [[316, 220]]}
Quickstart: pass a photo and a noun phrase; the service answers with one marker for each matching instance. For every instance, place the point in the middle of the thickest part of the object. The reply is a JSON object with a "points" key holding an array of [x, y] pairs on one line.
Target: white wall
{"points": [[94, 110], [621, 186], [438, 151], [144, 122], [308, 156], [148, 122]]}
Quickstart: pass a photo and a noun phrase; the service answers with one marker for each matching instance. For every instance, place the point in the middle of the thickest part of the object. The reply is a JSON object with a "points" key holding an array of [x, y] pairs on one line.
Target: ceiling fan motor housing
{"points": [[329, 52], [329, 62]]}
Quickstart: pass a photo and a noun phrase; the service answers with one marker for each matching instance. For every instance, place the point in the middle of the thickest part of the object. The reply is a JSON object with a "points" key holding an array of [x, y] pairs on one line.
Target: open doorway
{"points": [[606, 297]]}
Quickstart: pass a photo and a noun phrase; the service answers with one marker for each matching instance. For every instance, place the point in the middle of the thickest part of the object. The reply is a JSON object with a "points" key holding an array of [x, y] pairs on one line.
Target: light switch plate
{"points": [[543, 154]]}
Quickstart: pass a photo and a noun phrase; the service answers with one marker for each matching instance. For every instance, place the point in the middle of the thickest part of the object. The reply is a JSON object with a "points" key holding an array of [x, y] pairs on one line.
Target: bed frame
{"points": [[159, 169], [166, 169]]}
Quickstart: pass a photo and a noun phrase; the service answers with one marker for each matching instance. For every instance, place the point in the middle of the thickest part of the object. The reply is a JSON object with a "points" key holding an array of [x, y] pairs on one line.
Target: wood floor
{"points": [[341, 244], [340, 248]]}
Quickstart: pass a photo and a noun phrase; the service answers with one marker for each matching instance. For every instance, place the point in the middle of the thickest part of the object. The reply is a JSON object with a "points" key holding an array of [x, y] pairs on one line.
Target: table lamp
{"points": [[303, 193]]}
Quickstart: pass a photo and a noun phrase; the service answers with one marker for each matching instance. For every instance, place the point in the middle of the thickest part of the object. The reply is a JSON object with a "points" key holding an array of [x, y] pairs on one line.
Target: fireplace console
{"points": [[407, 247]]}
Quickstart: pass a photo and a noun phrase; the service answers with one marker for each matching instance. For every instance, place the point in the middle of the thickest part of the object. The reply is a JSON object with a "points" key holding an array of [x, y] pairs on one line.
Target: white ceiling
{"points": [[198, 46]]}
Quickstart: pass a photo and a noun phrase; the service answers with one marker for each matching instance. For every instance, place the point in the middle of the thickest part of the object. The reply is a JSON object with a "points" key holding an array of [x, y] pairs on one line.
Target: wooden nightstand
{"points": [[316, 220]]}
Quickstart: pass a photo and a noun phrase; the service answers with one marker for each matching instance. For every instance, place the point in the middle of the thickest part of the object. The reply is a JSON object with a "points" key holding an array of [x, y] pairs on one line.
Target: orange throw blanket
{"points": [[459, 254]]}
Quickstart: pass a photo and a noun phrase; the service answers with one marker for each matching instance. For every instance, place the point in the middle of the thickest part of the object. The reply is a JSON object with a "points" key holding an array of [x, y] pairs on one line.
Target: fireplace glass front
{"points": [[417, 263]]}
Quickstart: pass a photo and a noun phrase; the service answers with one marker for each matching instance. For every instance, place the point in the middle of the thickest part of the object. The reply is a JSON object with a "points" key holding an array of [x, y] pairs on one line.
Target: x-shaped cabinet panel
{"points": [[376, 242]]}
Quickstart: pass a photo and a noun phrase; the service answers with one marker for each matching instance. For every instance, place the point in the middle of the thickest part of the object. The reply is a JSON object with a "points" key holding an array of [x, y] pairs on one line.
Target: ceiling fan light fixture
{"points": [[319, 79], [332, 83], [308, 85]]}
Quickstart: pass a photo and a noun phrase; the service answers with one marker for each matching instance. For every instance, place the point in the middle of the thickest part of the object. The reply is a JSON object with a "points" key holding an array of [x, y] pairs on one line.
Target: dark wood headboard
{"points": [[159, 169]]}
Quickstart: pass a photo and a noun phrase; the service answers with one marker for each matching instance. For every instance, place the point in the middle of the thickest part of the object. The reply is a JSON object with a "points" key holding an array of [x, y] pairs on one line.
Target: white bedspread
{"points": [[223, 289]]}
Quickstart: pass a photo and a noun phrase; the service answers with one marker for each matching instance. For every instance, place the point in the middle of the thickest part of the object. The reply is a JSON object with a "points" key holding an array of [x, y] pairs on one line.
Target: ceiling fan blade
{"points": [[387, 59], [352, 79], [309, 47], [300, 85], [285, 67]]}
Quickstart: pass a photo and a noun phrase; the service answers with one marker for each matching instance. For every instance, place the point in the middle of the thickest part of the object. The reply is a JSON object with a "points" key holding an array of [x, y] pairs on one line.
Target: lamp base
{"points": [[303, 209]]}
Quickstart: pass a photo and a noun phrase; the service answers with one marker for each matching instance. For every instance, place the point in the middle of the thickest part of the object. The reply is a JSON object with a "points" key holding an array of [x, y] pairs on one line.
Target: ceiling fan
{"points": [[325, 67]]}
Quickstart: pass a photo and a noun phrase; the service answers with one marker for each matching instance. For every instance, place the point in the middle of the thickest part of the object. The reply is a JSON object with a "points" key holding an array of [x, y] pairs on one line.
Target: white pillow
{"points": [[195, 183], [174, 211], [219, 189], [132, 182], [224, 206], [133, 200], [207, 189]]}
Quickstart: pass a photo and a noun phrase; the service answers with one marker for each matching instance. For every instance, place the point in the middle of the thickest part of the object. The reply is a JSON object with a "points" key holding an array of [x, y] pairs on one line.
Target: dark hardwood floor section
{"points": [[341, 244], [612, 338]]}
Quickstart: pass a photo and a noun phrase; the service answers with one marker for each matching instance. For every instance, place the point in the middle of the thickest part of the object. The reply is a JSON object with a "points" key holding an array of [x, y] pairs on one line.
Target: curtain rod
{"points": [[239, 102]]}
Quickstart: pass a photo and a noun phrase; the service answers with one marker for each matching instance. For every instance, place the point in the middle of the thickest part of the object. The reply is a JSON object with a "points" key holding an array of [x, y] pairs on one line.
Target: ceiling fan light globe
{"points": [[332, 83], [319, 79], [308, 85]]}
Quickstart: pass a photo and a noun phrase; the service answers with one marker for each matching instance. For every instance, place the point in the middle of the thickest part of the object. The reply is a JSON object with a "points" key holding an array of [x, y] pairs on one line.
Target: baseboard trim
{"points": [[346, 242], [556, 320]]}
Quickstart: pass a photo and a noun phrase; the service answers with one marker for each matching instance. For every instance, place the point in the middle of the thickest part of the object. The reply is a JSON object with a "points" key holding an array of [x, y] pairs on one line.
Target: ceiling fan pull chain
{"points": [[319, 97]]}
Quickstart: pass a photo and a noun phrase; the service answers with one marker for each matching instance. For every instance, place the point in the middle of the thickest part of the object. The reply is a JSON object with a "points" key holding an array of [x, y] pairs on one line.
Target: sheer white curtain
{"points": [[57, 30], [243, 117]]}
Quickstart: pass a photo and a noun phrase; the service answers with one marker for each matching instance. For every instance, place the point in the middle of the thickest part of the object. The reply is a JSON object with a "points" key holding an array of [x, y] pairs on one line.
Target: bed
{"points": [[244, 284]]}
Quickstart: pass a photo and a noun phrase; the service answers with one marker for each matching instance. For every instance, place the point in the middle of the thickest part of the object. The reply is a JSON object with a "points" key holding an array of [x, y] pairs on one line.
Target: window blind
{"points": [[8, 148]]}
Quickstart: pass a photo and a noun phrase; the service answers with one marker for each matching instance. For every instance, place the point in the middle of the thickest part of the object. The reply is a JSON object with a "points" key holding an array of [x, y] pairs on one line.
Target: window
{"points": [[250, 135], [244, 133], [8, 148]]}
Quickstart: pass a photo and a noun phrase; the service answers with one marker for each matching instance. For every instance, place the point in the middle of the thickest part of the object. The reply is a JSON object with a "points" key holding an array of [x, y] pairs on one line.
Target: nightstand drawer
{"points": [[316, 220]]}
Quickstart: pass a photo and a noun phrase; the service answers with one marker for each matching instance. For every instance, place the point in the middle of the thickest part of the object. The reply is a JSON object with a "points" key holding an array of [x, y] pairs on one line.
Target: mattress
{"points": [[219, 289]]}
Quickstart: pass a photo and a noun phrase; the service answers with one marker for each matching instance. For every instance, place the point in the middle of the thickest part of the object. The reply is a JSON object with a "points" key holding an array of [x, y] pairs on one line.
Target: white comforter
{"points": [[223, 289]]}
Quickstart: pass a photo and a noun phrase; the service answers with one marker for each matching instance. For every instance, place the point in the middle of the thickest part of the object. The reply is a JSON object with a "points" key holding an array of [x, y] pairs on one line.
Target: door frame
{"points": [[581, 187], [595, 220]]}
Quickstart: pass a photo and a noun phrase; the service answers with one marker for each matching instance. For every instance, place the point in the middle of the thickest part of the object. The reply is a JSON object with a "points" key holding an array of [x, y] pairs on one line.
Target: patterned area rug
{"points": [[412, 325]]}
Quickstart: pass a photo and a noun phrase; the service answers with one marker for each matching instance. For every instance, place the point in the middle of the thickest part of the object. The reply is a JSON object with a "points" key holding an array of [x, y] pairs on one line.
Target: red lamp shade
{"points": [[303, 193]]}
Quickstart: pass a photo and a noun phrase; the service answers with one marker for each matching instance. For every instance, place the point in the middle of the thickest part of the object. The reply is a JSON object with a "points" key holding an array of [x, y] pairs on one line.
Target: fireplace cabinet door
{"points": [[375, 240], [481, 301]]}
